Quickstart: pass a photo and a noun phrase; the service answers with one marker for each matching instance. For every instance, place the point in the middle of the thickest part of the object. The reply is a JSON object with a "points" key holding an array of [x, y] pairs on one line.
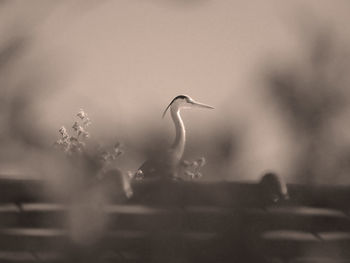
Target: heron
{"points": [[167, 164]]}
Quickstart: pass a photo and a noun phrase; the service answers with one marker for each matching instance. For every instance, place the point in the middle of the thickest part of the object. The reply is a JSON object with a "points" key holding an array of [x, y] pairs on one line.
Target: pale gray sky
{"points": [[123, 61]]}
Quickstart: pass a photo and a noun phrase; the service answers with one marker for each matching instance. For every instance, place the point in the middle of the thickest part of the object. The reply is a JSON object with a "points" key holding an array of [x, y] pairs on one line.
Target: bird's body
{"points": [[167, 163]]}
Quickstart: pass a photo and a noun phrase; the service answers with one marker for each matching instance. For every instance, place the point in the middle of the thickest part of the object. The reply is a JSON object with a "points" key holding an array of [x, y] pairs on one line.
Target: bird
{"points": [[166, 164]]}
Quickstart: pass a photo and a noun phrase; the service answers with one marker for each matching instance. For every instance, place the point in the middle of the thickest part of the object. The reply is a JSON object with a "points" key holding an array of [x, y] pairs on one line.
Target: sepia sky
{"points": [[123, 61]]}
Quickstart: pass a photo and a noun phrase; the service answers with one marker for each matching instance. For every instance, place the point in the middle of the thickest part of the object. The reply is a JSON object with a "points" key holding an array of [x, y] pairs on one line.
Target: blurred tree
{"points": [[26, 76], [9, 53], [311, 97]]}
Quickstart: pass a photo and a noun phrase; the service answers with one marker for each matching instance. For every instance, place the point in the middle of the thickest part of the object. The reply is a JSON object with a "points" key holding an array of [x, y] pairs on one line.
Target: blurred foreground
{"points": [[173, 222]]}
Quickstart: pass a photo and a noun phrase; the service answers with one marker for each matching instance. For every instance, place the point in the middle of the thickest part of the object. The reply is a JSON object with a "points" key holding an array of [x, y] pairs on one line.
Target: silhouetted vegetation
{"points": [[313, 97]]}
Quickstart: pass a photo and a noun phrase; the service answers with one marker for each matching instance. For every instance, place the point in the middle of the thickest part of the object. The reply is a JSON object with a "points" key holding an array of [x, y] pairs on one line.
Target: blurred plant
{"points": [[272, 188], [313, 96], [95, 182], [76, 144], [72, 144], [192, 168], [107, 157]]}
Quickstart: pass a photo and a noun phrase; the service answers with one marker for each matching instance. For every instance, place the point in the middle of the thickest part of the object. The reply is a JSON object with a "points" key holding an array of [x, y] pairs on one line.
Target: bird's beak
{"points": [[201, 105]]}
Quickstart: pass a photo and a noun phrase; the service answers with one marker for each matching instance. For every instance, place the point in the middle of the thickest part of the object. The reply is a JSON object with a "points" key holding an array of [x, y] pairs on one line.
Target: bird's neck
{"points": [[178, 146]]}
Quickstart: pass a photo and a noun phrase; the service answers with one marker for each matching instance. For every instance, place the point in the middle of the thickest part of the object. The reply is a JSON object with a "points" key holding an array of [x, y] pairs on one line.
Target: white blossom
{"points": [[81, 114], [63, 131]]}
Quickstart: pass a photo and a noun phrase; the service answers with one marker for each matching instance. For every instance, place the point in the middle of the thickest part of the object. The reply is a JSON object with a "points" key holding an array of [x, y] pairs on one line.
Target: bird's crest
{"points": [[176, 98]]}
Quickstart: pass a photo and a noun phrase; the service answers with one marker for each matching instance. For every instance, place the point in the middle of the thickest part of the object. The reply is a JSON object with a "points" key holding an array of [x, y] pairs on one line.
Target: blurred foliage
{"points": [[9, 53], [25, 74], [311, 96]]}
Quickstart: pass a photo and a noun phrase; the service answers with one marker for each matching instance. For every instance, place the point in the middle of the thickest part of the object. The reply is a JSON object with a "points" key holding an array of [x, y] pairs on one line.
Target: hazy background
{"points": [[276, 73]]}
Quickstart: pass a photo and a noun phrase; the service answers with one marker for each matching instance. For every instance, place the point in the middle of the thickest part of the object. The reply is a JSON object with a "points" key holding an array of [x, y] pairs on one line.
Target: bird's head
{"points": [[185, 102]]}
